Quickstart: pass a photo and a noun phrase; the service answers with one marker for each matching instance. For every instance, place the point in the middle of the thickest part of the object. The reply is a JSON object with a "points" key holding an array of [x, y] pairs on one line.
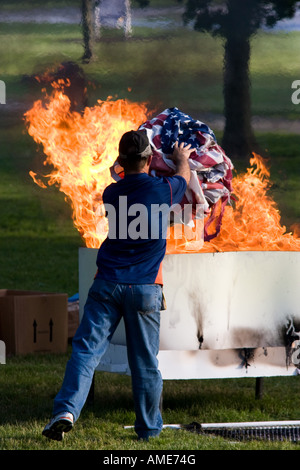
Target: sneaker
{"points": [[58, 425]]}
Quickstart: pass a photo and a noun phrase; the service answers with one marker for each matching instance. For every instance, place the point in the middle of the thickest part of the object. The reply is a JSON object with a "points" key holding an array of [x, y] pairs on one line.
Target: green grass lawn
{"points": [[28, 385], [39, 245]]}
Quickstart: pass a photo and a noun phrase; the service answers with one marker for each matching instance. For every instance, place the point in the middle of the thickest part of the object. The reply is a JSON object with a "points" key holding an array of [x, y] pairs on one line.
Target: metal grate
{"points": [[271, 431]]}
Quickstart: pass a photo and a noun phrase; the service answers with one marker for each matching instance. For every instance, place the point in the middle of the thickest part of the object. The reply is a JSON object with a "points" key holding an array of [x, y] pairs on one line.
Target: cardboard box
{"points": [[32, 322]]}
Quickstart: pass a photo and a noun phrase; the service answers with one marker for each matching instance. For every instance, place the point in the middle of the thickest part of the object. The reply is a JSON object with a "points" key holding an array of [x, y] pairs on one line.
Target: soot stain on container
{"points": [[197, 314]]}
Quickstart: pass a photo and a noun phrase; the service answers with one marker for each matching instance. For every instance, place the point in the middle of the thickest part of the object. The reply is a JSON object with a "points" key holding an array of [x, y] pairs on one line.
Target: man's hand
{"points": [[181, 152], [180, 157]]}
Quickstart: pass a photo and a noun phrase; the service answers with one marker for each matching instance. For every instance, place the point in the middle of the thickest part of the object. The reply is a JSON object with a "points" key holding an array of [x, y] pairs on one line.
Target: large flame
{"points": [[252, 222], [80, 148]]}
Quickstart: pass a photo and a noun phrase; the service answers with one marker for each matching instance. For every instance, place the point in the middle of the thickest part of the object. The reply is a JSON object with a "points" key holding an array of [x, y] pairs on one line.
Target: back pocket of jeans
{"points": [[147, 298], [102, 291]]}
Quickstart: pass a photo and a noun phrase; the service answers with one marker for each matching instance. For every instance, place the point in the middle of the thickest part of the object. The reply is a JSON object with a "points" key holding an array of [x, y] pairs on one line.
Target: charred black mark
{"points": [[265, 351], [291, 333], [248, 337], [246, 355], [196, 309], [200, 339]]}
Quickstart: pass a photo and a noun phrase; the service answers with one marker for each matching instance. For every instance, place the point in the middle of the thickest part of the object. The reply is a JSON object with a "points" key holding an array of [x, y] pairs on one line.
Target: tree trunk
{"points": [[87, 15], [238, 139]]}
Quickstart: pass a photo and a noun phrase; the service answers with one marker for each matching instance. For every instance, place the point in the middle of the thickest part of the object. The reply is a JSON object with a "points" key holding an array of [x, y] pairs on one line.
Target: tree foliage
{"points": [[239, 17], [236, 21]]}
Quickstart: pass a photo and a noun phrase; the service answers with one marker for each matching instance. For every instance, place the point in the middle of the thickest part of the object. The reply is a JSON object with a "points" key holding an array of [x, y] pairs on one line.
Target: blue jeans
{"points": [[107, 303]]}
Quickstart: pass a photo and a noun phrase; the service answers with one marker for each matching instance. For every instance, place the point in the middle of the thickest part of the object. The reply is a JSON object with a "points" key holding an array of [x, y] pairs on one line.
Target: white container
{"points": [[232, 314]]}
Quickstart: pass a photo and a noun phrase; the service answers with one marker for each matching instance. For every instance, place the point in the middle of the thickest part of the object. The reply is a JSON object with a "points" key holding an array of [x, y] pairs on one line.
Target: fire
{"points": [[81, 147], [252, 222]]}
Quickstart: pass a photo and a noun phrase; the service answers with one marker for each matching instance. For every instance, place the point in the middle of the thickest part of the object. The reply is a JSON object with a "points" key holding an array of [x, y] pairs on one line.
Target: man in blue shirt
{"points": [[128, 285]]}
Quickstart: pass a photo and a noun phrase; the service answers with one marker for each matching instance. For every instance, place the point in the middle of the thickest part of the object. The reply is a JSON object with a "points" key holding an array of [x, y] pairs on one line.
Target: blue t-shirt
{"points": [[137, 208]]}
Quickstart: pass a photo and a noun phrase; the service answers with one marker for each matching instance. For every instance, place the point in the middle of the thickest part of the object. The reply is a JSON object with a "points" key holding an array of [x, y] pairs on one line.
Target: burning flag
{"points": [[211, 169], [82, 147]]}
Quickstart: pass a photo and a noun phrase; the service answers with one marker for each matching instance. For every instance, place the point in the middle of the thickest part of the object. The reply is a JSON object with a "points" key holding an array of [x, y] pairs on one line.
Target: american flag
{"points": [[211, 168], [173, 125]]}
